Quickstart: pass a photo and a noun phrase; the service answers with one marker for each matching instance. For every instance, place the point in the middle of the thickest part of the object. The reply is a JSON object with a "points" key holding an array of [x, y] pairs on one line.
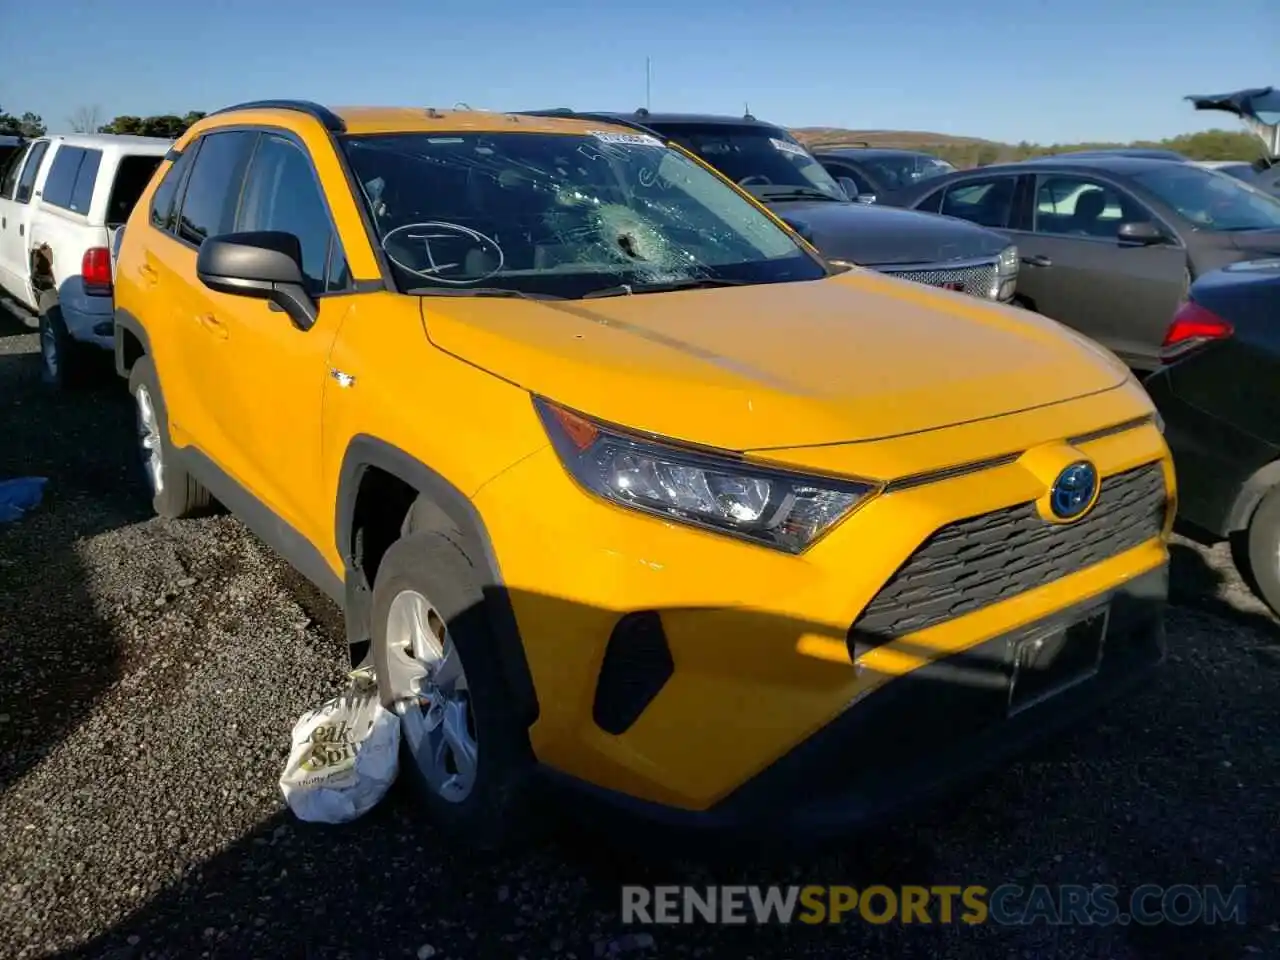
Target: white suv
{"points": [[61, 200]]}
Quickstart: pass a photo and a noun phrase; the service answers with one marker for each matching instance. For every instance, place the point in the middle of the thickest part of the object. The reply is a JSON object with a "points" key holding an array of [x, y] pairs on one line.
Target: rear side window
{"points": [[931, 203], [62, 176], [27, 182], [132, 176], [86, 177], [12, 167], [987, 202], [162, 201], [209, 202]]}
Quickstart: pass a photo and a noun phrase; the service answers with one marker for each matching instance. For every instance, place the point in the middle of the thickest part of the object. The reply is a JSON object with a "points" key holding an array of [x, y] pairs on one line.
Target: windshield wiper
{"points": [[797, 193], [479, 292], [689, 283]]}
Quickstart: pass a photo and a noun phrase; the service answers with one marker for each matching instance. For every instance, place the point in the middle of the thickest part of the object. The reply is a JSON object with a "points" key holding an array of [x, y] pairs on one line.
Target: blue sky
{"points": [[1039, 70]]}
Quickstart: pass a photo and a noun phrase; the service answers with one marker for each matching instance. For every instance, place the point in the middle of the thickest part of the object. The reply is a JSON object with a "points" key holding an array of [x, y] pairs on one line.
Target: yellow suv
{"points": [[621, 486]]}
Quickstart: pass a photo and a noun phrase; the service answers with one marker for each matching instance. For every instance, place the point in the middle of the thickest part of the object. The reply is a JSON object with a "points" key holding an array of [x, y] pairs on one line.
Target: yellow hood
{"points": [[855, 357]]}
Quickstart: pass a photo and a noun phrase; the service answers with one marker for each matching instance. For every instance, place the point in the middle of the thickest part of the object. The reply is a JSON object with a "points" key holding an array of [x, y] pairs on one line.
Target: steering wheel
{"points": [[755, 180]]}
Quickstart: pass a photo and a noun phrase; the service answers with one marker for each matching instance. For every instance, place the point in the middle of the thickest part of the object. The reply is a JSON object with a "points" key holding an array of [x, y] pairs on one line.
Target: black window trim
{"points": [[356, 285], [39, 162]]}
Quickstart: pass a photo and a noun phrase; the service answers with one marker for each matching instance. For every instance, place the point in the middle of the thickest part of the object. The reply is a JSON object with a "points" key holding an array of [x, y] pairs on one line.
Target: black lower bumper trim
{"points": [[925, 733]]}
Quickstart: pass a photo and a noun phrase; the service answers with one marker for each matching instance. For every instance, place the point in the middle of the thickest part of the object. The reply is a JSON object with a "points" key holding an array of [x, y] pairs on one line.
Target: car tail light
{"points": [[95, 272], [1193, 326]]}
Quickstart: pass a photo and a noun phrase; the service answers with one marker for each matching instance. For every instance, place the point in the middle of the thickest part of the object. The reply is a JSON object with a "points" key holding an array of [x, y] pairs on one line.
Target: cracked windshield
{"points": [[557, 215]]}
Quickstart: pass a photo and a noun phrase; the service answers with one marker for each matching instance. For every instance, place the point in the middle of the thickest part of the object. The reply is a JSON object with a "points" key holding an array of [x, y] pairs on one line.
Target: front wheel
{"points": [[434, 655], [1263, 575]]}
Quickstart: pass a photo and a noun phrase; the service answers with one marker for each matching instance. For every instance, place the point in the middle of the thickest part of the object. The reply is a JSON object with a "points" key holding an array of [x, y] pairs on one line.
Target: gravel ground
{"points": [[151, 672]]}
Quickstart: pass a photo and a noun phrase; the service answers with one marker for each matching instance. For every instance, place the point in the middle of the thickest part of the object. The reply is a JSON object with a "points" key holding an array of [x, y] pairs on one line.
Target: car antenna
{"points": [[746, 111]]}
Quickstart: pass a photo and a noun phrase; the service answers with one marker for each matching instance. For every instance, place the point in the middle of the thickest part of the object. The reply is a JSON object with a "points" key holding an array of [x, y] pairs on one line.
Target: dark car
{"points": [[1219, 399], [1110, 245], [767, 161], [9, 145], [874, 172], [1135, 153], [1259, 110]]}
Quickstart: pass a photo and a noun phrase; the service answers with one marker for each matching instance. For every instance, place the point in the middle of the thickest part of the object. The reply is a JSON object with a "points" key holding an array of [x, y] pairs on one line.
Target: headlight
{"points": [[772, 507], [1008, 260]]}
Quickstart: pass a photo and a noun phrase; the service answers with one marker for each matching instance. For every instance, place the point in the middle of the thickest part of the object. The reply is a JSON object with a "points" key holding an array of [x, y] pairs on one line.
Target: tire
{"points": [[1263, 544], [65, 363], [495, 810], [179, 494]]}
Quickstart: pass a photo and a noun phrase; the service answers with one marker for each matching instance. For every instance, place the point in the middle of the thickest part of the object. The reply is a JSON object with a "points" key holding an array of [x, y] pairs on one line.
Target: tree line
{"points": [[1205, 145]]}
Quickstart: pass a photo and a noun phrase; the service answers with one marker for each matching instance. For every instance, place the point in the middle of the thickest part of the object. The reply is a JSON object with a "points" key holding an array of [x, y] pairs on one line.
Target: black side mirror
{"points": [[266, 265], [1142, 232], [848, 186]]}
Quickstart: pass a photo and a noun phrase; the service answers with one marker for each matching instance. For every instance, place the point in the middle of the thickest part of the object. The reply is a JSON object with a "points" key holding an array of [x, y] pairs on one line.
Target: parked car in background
{"points": [[775, 168], [629, 359], [10, 144], [61, 199], [1258, 109], [1219, 394], [1136, 153], [1240, 169], [1109, 245], [873, 172]]}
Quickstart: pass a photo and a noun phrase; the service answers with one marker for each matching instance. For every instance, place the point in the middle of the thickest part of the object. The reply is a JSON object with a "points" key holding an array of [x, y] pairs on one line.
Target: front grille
{"points": [[975, 279], [985, 559]]}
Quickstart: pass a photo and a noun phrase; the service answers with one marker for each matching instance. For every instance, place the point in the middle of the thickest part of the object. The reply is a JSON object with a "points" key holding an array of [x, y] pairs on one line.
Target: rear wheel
{"points": [[437, 668], [1263, 550], [65, 363], [174, 492]]}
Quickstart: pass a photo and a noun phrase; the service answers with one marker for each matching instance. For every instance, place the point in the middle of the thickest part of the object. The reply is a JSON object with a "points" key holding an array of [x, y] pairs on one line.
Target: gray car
{"points": [[768, 162], [1109, 245]]}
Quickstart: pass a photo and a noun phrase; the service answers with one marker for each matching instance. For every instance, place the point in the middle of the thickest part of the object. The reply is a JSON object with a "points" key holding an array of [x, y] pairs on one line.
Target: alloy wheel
{"points": [[428, 685], [149, 445]]}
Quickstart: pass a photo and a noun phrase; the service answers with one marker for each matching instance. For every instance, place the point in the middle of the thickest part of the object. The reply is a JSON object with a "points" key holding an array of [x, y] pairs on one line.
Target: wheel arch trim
{"points": [[364, 452]]}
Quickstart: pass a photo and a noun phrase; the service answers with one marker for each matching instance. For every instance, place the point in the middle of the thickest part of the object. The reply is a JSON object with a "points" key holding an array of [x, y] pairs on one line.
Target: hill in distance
{"points": [[974, 151]]}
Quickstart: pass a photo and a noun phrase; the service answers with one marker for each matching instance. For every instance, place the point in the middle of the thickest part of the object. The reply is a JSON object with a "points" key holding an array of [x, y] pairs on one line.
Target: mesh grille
{"points": [[985, 559], [975, 280]]}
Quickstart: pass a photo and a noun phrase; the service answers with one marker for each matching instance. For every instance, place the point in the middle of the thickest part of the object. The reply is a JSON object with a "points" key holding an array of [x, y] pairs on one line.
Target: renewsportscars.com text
{"points": [[1007, 904]]}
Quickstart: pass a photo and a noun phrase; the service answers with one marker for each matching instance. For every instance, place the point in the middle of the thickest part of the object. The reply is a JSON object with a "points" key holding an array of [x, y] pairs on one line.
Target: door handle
{"points": [[1039, 260], [213, 325], [4, 223], [22, 229]]}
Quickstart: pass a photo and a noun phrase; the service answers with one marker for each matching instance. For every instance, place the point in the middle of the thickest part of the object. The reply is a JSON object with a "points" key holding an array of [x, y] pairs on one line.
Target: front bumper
{"points": [[922, 735], [676, 666]]}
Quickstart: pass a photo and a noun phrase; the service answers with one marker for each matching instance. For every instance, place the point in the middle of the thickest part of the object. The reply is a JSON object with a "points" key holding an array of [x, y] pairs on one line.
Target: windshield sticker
{"points": [[792, 148], [630, 139]]}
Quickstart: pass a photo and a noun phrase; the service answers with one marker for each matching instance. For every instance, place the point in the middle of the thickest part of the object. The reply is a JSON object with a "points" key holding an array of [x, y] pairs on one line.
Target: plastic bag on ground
{"points": [[344, 757], [19, 495]]}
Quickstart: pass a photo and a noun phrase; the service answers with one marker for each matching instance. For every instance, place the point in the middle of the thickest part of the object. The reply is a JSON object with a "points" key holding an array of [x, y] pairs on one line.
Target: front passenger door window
{"points": [[987, 202], [281, 194], [208, 206], [1081, 207]]}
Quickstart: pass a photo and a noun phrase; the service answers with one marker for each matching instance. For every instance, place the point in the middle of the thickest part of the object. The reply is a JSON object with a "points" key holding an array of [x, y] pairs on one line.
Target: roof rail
{"points": [[598, 117], [332, 122]]}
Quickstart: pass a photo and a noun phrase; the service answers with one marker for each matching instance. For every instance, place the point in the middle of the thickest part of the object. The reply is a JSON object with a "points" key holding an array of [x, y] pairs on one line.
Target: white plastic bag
{"points": [[344, 756]]}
